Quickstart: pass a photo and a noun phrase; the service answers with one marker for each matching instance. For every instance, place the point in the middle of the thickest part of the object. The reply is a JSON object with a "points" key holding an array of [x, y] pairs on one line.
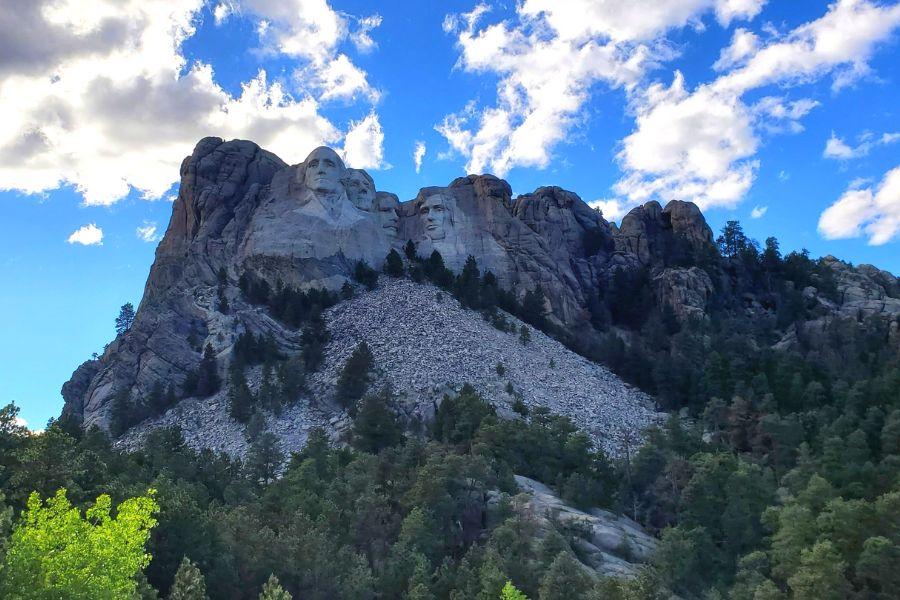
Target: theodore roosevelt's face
{"points": [[387, 205], [323, 170], [436, 215]]}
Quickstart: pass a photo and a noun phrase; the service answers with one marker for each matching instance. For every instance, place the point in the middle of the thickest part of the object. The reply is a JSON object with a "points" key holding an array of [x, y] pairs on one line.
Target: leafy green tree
{"points": [[459, 417], [189, 583], [393, 264], [57, 553], [272, 590], [354, 377], [125, 318], [6, 514], [564, 580], [509, 592], [821, 574]]}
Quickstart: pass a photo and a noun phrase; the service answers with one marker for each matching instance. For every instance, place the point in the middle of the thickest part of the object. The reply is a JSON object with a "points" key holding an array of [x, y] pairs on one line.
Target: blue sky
{"points": [[781, 114]]}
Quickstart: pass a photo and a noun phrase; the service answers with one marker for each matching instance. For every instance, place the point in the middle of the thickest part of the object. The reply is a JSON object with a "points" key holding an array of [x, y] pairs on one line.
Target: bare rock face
{"points": [[242, 211], [608, 544], [687, 291], [654, 234]]}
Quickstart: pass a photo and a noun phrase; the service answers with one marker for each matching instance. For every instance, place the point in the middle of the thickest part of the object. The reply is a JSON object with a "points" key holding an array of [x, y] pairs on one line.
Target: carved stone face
{"points": [[360, 189], [324, 169], [386, 205], [436, 213]]}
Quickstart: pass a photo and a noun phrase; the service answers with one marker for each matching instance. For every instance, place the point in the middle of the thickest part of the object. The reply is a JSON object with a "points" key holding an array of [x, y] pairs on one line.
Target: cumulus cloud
{"points": [[870, 212], [701, 144], [88, 235], [758, 212], [364, 144], [837, 148], [418, 155], [147, 232], [101, 97], [548, 58]]}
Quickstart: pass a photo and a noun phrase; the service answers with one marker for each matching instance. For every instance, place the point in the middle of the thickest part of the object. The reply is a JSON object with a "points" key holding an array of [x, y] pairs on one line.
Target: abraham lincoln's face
{"points": [[436, 213]]}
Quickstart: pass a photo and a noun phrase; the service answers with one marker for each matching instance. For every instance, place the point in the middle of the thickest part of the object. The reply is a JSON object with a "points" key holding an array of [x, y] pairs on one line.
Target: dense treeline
{"points": [[397, 515]]}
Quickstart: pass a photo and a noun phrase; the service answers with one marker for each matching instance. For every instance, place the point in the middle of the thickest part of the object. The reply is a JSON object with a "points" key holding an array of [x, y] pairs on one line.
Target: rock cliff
{"points": [[243, 214]]}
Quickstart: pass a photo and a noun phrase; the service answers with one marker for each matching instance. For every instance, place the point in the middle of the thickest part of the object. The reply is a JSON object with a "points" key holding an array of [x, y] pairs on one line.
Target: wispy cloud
{"points": [[418, 155], [758, 212], [147, 232], [836, 148]]}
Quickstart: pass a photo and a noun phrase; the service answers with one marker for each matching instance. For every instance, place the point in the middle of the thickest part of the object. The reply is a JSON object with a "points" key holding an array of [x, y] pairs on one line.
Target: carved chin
{"points": [[436, 233]]}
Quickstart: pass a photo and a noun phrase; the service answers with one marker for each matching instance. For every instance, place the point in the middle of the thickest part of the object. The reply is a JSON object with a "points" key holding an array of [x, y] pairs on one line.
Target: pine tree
{"points": [[509, 592], [410, 250], [375, 425], [346, 291], [533, 309], [354, 377], [564, 580], [393, 264], [468, 284], [240, 399], [208, 381], [125, 318], [264, 459], [189, 583], [121, 414], [272, 590], [524, 335], [365, 274]]}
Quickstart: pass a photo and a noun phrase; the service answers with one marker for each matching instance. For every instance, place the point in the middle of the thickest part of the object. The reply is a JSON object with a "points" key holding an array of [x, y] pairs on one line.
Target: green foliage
{"points": [[410, 250], [313, 341], [240, 398], [524, 335], [189, 583], [459, 417], [365, 274], [564, 580], [393, 264], [272, 590], [375, 424], [509, 592], [56, 553], [264, 459], [354, 378], [125, 318]]}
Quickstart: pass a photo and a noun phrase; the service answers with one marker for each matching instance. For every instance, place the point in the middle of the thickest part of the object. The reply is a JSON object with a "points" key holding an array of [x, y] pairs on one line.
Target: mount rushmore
{"points": [[241, 212]]}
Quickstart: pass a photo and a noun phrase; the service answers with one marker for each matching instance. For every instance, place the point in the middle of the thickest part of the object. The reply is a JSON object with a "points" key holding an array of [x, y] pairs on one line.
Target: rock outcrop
{"points": [[426, 345], [242, 213], [606, 543]]}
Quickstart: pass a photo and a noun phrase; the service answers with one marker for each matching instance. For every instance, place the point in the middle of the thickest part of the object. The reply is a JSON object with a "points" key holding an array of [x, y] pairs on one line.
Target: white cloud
{"points": [[147, 232], [222, 11], [361, 38], [838, 149], [418, 155], [873, 213], [364, 144], [701, 145], [547, 60], [107, 102], [758, 212], [88, 235], [612, 210], [744, 43]]}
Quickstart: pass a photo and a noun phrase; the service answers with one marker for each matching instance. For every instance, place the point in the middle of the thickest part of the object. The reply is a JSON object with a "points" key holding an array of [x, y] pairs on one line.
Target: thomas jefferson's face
{"points": [[360, 189], [435, 213], [386, 205], [323, 170]]}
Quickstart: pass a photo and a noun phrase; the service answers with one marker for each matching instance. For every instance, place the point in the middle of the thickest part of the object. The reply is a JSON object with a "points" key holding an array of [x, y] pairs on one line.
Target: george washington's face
{"points": [[324, 169], [436, 213]]}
